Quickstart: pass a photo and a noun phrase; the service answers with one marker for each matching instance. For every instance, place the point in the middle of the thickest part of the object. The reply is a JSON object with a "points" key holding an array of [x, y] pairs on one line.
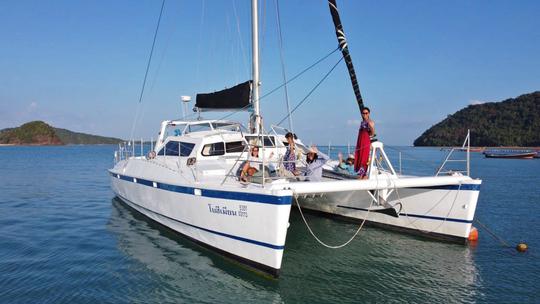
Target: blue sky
{"points": [[80, 64]]}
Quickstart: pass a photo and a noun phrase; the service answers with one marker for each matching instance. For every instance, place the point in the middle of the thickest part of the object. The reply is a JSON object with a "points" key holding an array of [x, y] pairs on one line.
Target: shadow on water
{"points": [[377, 266]]}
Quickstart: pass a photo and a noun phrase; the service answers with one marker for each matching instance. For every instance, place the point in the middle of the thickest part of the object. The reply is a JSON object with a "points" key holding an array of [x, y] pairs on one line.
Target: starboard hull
{"points": [[251, 230], [441, 212]]}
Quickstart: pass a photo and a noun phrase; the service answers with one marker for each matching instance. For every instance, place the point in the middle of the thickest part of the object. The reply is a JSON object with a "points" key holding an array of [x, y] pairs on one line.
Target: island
{"points": [[512, 122], [40, 133]]}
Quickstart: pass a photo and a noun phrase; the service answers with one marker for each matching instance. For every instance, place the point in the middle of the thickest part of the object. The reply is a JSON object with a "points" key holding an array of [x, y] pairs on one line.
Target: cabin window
{"points": [[176, 148], [213, 149], [269, 141], [234, 146], [226, 126], [199, 127], [174, 130]]}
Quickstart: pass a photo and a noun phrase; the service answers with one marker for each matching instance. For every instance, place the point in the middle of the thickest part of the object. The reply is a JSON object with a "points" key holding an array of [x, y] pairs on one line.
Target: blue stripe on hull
{"points": [[472, 187], [144, 182], [234, 237], [437, 218], [241, 196]]}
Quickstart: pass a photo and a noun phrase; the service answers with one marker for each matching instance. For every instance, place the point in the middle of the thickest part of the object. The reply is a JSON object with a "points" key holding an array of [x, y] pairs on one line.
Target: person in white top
{"points": [[315, 161], [253, 157]]}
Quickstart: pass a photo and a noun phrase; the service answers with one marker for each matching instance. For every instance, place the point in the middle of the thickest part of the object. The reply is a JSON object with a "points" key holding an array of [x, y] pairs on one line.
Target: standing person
{"points": [[363, 143], [315, 161], [289, 160]]}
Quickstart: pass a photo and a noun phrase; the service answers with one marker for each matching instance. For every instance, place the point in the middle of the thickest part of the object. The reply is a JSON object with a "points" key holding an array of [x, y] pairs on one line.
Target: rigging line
{"points": [[299, 74], [312, 90], [151, 51], [147, 68], [167, 44], [240, 37], [262, 47], [231, 56], [280, 86], [201, 26], [283, 73], [426, 164]]}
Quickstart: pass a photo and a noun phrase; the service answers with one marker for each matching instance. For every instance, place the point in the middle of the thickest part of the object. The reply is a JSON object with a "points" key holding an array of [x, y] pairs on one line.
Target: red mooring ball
{"points": [[473, 235]]}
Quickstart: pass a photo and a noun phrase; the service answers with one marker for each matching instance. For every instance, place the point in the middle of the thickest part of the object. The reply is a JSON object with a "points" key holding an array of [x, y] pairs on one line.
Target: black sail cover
{"points": [[237, 97], [340, 33]]}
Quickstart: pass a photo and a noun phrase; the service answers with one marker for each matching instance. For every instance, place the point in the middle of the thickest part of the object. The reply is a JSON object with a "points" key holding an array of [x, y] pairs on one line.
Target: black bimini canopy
{"points": [[235, 98]]}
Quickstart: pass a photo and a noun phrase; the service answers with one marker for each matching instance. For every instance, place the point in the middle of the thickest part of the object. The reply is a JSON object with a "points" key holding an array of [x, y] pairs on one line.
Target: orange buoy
{"points": [[522, 247], [473, 235]]}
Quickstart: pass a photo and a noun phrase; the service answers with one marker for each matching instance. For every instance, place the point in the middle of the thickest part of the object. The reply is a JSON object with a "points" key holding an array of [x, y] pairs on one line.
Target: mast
{"points": [[255, 119], [340, 34]]}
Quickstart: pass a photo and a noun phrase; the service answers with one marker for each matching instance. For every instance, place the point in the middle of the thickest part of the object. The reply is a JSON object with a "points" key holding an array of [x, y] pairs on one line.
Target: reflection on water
{"points": [[378, 265], [180, 267]]}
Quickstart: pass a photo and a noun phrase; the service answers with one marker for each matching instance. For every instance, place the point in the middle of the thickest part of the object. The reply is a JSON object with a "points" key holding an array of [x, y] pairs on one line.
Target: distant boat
{"points": [[475, 149], [516, 154], [464, 149]]}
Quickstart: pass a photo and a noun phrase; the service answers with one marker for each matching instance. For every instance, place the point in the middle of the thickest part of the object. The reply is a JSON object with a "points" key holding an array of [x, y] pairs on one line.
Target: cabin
{"points": [[215, 148]]}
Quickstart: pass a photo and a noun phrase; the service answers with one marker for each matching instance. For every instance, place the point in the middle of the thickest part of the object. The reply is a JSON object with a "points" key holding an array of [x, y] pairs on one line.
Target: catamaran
{"points": [[190, 181]]}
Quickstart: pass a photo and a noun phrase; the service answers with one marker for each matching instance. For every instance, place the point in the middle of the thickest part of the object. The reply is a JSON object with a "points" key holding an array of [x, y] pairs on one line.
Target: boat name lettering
{"points": [[242, 210]]}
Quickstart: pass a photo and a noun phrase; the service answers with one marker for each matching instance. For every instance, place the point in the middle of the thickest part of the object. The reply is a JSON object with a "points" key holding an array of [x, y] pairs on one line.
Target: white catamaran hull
{"points": [[436, 206], [247, 226]]}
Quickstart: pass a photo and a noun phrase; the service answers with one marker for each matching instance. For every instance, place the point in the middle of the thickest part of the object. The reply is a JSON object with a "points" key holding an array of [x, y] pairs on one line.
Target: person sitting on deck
{"points": [[255, 176], [253, 157], [347, 166], [315, 161]]}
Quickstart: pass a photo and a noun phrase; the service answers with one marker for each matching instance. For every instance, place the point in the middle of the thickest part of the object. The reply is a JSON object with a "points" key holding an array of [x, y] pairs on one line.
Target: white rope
{"points": [[319, 240]]}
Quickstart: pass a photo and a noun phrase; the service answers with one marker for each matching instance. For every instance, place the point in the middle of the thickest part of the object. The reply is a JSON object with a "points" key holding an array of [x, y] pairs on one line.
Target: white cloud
{"points": [[32, 107], [477, 102]]}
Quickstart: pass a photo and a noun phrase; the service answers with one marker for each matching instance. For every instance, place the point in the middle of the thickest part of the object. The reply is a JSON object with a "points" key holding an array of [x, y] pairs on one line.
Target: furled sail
{"points": [[235, 98], [340, 33]]}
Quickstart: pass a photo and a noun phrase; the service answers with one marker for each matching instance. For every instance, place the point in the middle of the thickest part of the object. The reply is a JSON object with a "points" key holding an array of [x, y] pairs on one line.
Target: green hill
{"points": [[512, 122], [74, 138], [40, 133], [32, 133]]}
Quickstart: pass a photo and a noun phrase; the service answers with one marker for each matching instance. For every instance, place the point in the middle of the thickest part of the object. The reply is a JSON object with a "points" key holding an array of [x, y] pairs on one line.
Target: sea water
{"points": [[65, 238]]}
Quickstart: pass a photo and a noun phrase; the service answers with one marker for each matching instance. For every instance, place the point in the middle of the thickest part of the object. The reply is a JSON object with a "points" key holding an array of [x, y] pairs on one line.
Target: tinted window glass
{"points": [[174, 130], [269, 141], [175, 148], [214, 149], [226, 126], [234, 146], [201, 127]]}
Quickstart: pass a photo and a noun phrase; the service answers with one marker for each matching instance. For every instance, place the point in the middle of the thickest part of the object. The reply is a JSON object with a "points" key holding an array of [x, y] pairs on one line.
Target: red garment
{"points": [[361, 153]]}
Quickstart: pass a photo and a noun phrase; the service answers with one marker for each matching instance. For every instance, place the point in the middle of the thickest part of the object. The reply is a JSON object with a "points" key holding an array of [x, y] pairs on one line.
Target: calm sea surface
{"points": [[64, 238]]}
